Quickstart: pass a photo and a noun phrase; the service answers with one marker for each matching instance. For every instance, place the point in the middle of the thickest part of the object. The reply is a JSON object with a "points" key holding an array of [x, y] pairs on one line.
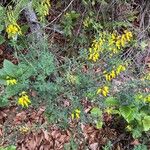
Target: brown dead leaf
{"points": [[55, 134], [135, 142], [1, 132], [94, 146], [20, 117], [62, 138], [41, 110], [46, 135]]}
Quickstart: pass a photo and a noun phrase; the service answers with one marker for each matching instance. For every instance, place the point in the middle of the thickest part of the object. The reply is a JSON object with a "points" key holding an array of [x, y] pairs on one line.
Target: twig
{"points": [[60, 14]]}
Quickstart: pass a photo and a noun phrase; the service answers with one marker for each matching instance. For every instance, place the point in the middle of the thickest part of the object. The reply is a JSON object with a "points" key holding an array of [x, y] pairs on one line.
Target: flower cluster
{"points": [[76, 114], [111, 42], [13, 30], [96, 48], [116, 42], [10, 81], [24, 100], [104, 90], [114, 73]]}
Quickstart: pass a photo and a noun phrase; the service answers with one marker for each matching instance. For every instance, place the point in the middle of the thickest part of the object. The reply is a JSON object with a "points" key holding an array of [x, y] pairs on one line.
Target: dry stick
{"points": [[33, 21], [60, 14]]}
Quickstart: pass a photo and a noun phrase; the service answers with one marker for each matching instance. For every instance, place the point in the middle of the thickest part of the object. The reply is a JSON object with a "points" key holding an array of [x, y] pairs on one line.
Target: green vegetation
{"points": [[97, 61]]}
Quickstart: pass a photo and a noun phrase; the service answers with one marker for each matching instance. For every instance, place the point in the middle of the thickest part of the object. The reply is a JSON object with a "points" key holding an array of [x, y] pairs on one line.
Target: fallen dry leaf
{"points": [[94, 146]]}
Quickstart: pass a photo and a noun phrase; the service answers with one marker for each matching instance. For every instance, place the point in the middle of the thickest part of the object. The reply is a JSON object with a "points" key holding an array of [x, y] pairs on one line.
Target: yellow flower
{"points": [[107, 77], [113, 36], [94, 56], [104, 90], [11, 81], [118, 44], [123, 40], [24, 129], [13, 30], [128, 35], [76, 114], [24, 100], [112, 74], [119, 69]]}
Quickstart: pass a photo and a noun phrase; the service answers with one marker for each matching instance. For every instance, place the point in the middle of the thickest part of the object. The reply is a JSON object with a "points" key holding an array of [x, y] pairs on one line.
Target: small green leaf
{"points": [[146, 123], [111, 101], [136, 133], [99, 124], [96, 112], [143, 45]]}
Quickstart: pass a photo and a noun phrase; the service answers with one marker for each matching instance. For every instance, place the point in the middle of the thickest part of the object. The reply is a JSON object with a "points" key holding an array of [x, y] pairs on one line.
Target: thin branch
{"points": [[60, 14]]}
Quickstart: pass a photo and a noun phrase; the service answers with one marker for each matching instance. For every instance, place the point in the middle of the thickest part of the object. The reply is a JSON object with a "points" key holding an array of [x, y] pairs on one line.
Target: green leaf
{"points": [[96, 112], [146, 123], [136, 133], [2, 39], [9, 68], [2, 73], [127, 112], [111, 101]]}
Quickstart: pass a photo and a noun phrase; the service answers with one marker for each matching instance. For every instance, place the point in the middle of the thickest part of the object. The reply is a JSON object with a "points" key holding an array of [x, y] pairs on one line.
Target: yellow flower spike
{"points": [[78, 111], [128, 35], [107, 77], [106, 88], [123, 40], [11, 81], [112, 74], [118, 44], [104, 91], [119, 69], [113, 36], [123, 68], [24, 100], [76, 114]]}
